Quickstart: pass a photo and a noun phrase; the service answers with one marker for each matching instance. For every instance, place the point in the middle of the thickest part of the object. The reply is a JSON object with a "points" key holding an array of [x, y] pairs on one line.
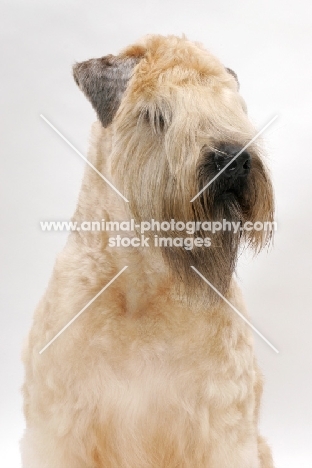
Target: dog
{"points": [[158, 371]]}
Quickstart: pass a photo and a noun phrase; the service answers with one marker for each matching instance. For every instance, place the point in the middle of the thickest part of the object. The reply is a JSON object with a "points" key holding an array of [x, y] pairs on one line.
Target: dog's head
{"points": [[179, 123]]}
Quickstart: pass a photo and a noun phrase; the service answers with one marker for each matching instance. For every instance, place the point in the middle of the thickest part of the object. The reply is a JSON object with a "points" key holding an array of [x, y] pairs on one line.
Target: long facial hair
{"points": [[249, 199], [159, 187]]}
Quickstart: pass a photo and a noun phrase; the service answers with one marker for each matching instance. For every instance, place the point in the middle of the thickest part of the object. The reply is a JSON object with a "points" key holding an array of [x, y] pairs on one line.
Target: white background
{"points": [[268, 44]]}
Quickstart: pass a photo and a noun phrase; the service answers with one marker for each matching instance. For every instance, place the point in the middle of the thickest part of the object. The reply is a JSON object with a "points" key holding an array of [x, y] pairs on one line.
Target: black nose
{"points": [[240, 165]]}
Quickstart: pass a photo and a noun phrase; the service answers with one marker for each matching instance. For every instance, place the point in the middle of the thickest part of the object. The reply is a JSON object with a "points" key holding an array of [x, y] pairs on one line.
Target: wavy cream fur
{"points": [[150, 375]]}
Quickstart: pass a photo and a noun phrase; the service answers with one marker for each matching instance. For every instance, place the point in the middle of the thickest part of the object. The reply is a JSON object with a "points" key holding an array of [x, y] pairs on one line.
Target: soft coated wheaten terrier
{"points": [[159, 371]]}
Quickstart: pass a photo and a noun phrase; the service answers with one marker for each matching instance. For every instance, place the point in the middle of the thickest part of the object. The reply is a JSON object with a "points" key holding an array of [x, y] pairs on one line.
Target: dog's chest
{"points": [[157, 387], [146, 364]]}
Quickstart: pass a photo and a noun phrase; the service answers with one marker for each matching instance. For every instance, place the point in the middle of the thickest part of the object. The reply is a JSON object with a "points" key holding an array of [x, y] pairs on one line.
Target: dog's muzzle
{"points": [[239, 168]]}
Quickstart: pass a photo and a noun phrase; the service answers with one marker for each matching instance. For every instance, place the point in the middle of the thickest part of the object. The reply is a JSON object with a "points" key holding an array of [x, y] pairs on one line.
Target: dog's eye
{"points": [[155, 120]]}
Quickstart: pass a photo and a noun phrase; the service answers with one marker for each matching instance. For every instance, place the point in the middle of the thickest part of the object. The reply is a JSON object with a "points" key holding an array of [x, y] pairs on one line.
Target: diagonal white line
{"points": [[83, 157], [82, 310], [275, 129], [233, 159], [237, 311]]}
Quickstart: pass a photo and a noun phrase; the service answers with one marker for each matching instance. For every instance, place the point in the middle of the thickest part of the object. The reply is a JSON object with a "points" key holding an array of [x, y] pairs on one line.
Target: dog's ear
{"points": [[104, 81], [232, 72]]}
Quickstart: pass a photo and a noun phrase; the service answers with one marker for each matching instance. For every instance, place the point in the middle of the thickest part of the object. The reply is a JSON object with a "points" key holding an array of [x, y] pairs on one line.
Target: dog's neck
{"points": [[147, 273]]}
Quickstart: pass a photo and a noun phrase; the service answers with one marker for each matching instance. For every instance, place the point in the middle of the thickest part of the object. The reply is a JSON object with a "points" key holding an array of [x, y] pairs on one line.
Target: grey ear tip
{"points": [[104, 81], [75, 70], [233, 73]]}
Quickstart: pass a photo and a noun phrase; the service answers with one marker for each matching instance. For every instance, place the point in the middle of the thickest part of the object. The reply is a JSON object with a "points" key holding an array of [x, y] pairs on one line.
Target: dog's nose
{"points": [[240, 165]]}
